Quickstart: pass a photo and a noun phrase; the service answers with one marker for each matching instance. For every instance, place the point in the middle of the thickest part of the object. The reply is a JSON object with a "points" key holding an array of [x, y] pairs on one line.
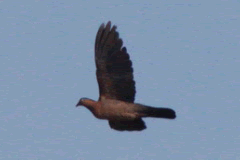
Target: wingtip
{"points": [[109, 23], [103, 24]]}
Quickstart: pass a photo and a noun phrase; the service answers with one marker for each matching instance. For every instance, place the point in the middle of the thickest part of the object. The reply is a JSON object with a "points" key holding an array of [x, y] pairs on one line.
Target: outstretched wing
{"points": [[114, 68]]}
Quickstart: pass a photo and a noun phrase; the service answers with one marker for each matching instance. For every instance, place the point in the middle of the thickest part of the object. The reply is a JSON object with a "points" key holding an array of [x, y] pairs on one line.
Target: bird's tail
{"points": [[159, 112]]}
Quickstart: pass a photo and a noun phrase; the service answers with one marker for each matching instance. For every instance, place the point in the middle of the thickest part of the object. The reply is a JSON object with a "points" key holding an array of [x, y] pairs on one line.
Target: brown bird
{"points": [[117, 87]]}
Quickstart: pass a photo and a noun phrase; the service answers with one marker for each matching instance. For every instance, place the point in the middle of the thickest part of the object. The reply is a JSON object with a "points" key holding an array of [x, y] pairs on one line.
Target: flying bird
{"points": [[117, 86]]}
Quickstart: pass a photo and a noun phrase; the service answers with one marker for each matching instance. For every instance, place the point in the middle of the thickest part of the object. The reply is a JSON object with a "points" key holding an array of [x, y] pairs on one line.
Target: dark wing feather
{"points": [[135, 125], [114, 68]]}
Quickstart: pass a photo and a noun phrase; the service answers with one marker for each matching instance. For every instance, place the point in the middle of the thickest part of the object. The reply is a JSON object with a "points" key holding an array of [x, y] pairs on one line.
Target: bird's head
{"points": [[81, 102]]}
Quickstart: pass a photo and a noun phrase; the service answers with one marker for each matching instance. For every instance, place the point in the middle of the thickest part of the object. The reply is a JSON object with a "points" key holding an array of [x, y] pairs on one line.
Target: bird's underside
{"points": [[117, 86]]}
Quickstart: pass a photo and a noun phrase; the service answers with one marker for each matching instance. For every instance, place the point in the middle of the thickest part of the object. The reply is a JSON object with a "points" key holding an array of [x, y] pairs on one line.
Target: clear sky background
{"points": [[185, 54]]}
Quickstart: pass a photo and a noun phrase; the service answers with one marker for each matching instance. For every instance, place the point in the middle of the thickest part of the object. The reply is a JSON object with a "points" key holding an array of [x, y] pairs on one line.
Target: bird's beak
{"points": [[79, 103]]}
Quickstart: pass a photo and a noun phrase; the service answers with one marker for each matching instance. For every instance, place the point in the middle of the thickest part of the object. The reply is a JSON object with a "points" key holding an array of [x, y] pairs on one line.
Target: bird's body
{"points": [[117, 87], [106, 109]]}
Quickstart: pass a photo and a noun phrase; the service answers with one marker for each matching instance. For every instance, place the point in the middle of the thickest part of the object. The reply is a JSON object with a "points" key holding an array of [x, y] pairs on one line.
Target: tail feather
{"points": [[159, 112]]}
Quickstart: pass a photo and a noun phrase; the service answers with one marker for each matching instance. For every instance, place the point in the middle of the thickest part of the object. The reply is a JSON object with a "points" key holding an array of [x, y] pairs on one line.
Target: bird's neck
{"points": [[91, 105]]}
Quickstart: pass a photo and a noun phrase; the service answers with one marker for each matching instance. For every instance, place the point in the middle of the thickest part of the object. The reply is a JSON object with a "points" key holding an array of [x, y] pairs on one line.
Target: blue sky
{"points": [[185, 56]]}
